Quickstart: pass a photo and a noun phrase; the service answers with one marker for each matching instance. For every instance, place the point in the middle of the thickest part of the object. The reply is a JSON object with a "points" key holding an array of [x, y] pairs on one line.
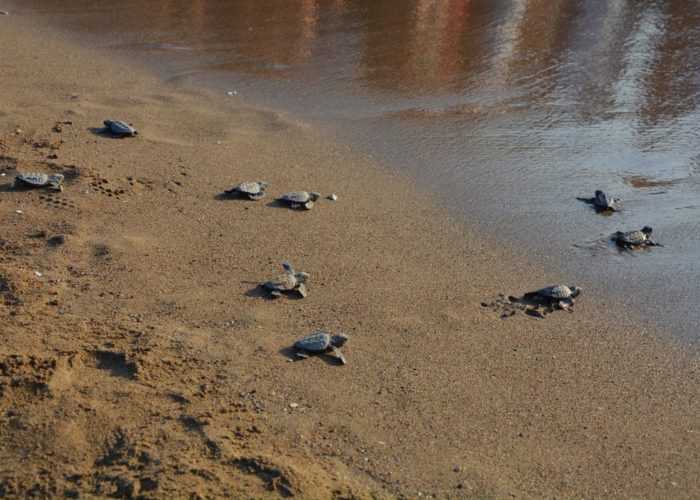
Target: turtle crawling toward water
{"points": [[298, 199], [602, 202], [119, 128], [255, 190], [632, 239], [319, 343], [38, 180], [287, 282], [557, 296]]}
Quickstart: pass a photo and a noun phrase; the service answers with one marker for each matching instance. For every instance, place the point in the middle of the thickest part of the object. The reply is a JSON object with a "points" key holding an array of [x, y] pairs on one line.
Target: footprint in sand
{"points": [[56, 200]]}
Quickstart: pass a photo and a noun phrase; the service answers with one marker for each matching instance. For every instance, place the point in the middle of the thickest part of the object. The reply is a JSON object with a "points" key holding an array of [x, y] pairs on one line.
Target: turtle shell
{"points": [[557, 292], [297, 197], [316, 342], [33, 179], [283, 282], [119, 127], [250, 187], [633, 237]]}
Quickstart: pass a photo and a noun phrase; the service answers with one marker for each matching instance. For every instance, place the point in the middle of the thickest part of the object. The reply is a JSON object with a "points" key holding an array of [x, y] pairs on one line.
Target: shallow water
{"points": [[509, 109]]}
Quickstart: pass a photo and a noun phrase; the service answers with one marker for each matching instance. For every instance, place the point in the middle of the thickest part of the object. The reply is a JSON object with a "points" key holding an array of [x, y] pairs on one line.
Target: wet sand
{"points": [[144, 361]]}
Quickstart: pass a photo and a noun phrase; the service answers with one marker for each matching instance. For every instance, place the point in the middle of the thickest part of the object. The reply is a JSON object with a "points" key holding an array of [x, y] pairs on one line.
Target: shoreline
{"points": [[558, 251], [439, 395]]}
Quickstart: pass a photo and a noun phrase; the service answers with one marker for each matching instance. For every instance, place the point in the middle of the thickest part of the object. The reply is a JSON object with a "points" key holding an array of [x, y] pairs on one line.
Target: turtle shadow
{"points": [[10, 186], [289, 353], [232, 197], [327, 358], [285, 204], [259, 291], [104, 132], [278, 204]]}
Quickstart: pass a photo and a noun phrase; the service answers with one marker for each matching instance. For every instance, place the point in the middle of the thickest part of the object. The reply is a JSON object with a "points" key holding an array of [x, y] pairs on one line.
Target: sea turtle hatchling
{"points": [[287, 282], [38, 180], [631, 239], [558, 296], [254, 190], [320, 342], [298, 199], [120, 128], [602, 201]]}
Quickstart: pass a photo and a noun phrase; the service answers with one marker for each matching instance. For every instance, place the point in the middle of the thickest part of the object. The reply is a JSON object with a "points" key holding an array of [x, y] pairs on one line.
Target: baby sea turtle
{"points": [[632, 239], [254, 190], [602, 201], [120, 128], [320, 342], [37, 180], [558, 296], [287, 282], [299, 199]]}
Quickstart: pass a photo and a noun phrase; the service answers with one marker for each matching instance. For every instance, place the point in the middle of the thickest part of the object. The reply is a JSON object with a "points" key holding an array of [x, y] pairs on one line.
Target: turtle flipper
{"points": [[301, 353], [338, 354], [287, 267], [309, 205], [564, 304], [586, 200], [302, 289], [256, 197], [275, 293]]}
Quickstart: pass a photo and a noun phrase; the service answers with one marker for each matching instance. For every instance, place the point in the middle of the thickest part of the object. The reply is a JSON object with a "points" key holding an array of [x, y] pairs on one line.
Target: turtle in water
{"points": [[298, 199], [631, 239], [320, 342], [120, 128], [37, 180], [558, 296], [602, 202], [254, 190], [287, 282]]}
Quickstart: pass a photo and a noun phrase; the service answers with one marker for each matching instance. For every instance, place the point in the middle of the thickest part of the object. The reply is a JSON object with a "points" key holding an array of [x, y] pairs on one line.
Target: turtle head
{"points": [[314, 195], [575, 291], [56, 178], [598, 193], [302, 277], [647, 230], [262, 184], [338, 340]]}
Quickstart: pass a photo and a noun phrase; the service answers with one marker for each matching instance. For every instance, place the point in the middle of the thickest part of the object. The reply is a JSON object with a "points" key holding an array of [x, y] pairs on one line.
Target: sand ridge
{"points": [[144, 360]]}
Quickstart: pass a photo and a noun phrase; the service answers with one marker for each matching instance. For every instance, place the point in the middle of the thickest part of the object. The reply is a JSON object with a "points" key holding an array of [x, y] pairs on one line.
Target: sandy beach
{"points": [[138, 356]]}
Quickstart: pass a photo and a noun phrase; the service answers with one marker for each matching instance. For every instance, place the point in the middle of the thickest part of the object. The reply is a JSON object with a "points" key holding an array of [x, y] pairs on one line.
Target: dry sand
{"points": [[143, 361]]}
